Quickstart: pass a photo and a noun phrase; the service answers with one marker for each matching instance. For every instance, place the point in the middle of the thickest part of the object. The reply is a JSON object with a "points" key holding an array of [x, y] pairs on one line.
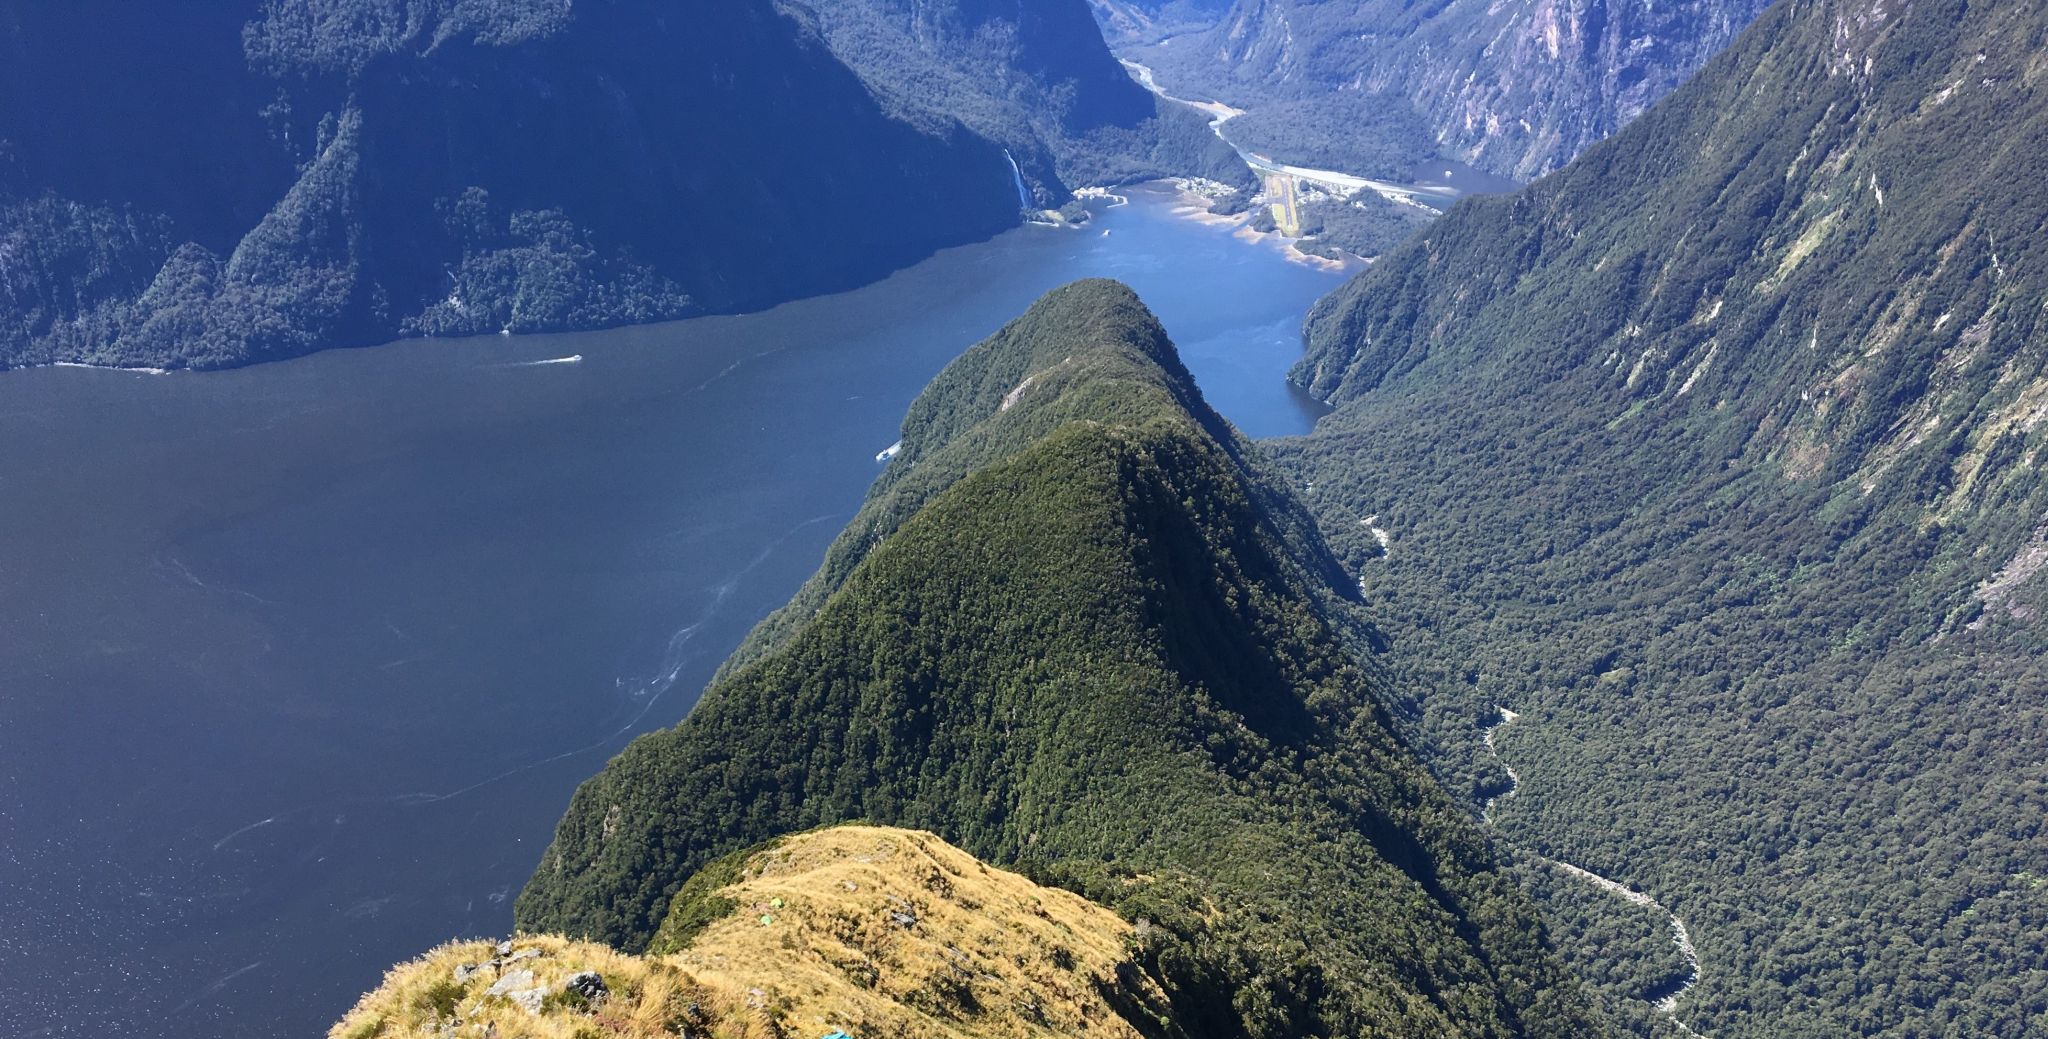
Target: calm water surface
{"points": [[300, 663]]}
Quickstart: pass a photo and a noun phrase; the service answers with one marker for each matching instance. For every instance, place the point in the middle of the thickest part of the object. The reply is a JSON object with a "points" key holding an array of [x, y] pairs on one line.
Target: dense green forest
{"points": [[1034, 76], [1618, 948], [1368, 136], [1364, 224], [206, 185], [1716, 455], [1079, 628]]}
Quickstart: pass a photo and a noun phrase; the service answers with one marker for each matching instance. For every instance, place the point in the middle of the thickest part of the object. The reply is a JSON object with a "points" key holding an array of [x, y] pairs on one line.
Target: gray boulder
{"points": [[586, 984]]}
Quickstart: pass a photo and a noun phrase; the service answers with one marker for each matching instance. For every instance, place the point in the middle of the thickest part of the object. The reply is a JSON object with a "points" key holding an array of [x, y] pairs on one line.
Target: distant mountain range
{"points": [[210, 185], [1035, 77], [1516, 89], [1149, 21]]}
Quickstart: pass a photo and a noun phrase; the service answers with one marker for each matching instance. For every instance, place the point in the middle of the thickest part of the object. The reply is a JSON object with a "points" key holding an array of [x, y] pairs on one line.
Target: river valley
{"points": [[1665, 1001]]}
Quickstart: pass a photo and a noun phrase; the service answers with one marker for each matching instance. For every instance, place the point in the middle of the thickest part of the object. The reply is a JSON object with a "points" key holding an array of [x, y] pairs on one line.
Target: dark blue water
{"points": [[300, 663], [1459, 179]]}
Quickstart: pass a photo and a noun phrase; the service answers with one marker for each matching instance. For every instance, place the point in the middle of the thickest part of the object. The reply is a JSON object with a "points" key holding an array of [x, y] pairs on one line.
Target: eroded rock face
{"points": [[1552, 77], [1516, 89], [588, 984], [520, 987]]}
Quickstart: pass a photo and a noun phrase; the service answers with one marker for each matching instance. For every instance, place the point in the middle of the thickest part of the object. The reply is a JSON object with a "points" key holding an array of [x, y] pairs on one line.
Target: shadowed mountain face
{"points": [[1516, 89], [1718, 452], [1128, 22], [1032, 75], [1080, 627], [216, 184]]}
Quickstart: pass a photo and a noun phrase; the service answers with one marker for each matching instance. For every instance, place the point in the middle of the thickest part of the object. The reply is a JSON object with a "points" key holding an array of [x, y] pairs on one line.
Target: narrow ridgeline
{"points": [[1079, 631], [870, 931]]}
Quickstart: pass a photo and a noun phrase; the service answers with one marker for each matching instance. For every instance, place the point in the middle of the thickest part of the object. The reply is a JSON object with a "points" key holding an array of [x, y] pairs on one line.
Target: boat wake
{"points": [[176, 570], [675, 657], [110, 368], [214, 987]]}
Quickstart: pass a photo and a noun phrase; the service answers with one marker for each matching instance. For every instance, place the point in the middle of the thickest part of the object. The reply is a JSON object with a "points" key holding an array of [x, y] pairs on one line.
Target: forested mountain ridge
{"points": [[1516, 89], [1067, 635], [441, 168], [1149, 21], [206, 185], [1717, 455]]}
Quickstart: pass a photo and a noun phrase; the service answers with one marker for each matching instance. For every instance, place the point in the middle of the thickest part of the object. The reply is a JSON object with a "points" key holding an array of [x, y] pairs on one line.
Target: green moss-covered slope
{"points": [[1075, 630]]}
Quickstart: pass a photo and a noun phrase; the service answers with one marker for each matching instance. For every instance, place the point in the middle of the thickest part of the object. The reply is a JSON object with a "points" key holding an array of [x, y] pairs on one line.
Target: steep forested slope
{"points": [[1717, 456], [1514, 88], [1128, 22], [1033, 75], [1077, 628], [214, 184], [210, 184]]}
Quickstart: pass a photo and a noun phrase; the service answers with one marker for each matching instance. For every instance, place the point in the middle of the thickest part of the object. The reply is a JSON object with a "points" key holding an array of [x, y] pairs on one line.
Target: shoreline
{"points": [[100, 368], [1189, 203], [1182, 196], [1337, 180]]}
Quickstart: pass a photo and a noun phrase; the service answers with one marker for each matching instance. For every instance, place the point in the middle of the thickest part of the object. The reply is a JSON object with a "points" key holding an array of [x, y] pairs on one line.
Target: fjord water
{"points": [[300, 663]]}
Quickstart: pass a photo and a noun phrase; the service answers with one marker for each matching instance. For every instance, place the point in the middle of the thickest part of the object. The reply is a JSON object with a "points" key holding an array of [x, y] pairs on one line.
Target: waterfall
{"points": [[1024, 200]]}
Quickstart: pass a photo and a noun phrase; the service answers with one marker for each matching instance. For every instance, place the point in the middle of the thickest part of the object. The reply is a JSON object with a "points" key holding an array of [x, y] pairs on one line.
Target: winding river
{"points": [[1665, 1002]]}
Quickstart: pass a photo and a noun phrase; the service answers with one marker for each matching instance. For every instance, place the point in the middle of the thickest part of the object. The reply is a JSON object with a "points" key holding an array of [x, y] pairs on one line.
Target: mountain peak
{"points": [[1079, 626]]}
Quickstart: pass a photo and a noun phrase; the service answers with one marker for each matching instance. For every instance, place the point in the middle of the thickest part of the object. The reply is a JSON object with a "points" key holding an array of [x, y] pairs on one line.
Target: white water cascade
{"points": [[1023, 193]]}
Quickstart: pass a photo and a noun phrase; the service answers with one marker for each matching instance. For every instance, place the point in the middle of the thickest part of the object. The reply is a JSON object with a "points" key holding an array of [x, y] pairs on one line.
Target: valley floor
{"points": [[1665, 1002]]}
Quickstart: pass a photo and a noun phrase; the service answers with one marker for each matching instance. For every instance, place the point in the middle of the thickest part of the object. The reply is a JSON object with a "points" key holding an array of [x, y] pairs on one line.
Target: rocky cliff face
{"points": [[206, 187], [1516, 89], [1128, 22]]}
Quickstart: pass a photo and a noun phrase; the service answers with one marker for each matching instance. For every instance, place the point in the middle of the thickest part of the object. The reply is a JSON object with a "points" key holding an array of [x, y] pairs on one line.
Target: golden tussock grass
{"points": [[882, 933]]}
